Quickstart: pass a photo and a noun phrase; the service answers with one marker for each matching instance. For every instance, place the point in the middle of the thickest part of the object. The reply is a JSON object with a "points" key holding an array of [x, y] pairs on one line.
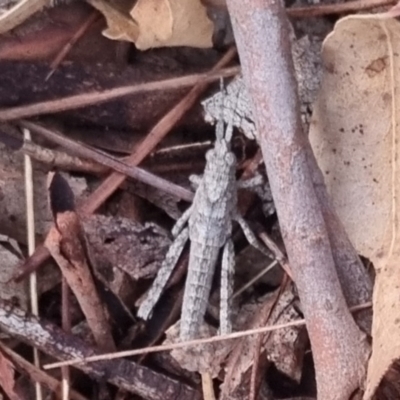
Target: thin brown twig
{"points": [[76, 36], [279, 256], [61, 160], [180, 345], [36, 374], [100, 157], [30, 218], [88, 99], [342, 8]]}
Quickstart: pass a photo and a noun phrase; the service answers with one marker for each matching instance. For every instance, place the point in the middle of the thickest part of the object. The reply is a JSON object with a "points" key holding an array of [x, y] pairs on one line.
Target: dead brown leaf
{"points": [[172, 23], [157, 23], [355, 139]]}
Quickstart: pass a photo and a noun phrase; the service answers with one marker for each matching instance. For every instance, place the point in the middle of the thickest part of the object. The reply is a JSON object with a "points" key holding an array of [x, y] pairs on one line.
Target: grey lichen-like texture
{"points": [[137, 249], [236, 107], [236, 103], [209, 221]]}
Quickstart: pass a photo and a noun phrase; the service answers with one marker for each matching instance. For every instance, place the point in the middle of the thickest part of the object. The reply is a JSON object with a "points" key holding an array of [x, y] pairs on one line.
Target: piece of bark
{"points": [[283, 347], [10, 255], [108, 160], [339, 348], [120, 243], [127, 375], [68, 246]]}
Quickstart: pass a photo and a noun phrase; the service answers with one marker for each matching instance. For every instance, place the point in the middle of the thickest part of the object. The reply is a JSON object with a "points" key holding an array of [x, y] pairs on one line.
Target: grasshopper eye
{"points": [[230, 158]]}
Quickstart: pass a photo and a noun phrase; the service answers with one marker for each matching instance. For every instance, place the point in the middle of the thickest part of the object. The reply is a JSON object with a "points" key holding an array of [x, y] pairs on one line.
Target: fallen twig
{"points": [[339, 8], [76, 36], [340, 350], [180, 345], [87, 99], [109, 161]]}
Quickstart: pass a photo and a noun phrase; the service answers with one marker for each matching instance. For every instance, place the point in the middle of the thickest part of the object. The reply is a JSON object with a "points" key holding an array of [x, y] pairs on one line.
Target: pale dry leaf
{"points": [[7, 381], [165, 23], [157, 23], [354, 137], [120, 25]]}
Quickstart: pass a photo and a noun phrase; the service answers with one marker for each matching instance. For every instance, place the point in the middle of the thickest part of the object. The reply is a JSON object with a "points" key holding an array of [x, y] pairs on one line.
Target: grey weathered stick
{"points": [[127, 375], [339, 348]]}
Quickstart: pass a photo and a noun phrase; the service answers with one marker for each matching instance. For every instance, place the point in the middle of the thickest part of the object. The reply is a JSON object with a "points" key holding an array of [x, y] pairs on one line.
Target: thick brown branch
{"points": [[354, 278], [339, 348]]}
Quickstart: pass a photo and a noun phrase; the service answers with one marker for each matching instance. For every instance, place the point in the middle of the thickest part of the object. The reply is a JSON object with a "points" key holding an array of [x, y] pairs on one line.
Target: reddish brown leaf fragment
{"points": [[7, 381], [67, 246]]}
